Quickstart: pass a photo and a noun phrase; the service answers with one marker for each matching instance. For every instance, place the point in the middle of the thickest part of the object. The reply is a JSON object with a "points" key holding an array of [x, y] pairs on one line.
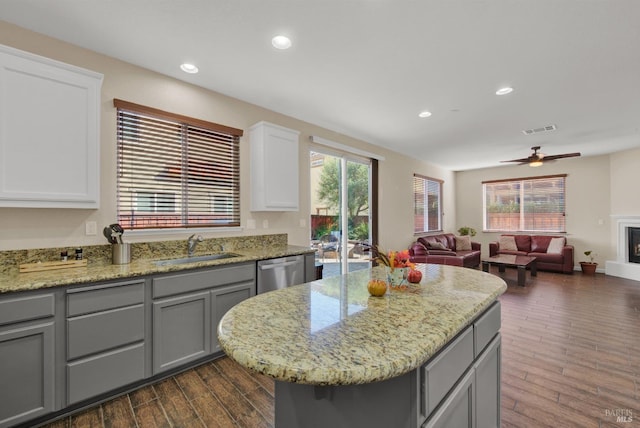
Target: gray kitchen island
{"points": [[427, 355]]}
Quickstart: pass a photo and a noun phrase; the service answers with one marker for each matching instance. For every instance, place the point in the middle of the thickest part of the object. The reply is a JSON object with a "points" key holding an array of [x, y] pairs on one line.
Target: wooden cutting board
{"points": [[35, 267]]}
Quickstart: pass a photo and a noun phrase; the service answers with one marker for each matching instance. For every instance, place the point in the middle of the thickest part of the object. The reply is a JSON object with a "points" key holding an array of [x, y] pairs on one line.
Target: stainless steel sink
{"points": [[195, 259]]}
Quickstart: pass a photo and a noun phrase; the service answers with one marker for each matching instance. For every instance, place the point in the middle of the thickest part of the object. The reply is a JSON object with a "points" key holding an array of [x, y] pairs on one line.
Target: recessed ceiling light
{"points": [[424, 114], [189, 68], [504, 91], [281, 42]]}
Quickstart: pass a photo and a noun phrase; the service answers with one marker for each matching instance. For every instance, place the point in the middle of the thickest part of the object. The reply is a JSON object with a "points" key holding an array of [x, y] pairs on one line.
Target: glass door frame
{"points": [[344, 158]]}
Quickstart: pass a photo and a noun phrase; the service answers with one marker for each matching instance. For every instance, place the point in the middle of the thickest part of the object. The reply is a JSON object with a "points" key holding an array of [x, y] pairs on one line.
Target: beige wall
{"points": [[588, 203], [625, 197], [35, 228], [625, 176]]}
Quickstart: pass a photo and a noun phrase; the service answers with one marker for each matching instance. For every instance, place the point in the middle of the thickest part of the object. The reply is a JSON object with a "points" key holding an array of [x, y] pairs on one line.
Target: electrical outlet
{"points": [[90, 228], [265, 224]]}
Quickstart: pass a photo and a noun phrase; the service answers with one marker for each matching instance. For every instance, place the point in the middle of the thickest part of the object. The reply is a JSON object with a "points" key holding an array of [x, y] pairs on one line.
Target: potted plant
{"points": [[589, 268], [466, 230]]}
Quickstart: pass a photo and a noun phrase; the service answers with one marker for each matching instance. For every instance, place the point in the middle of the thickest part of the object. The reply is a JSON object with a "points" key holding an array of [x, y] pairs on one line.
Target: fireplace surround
{"points": [[628, 229]]}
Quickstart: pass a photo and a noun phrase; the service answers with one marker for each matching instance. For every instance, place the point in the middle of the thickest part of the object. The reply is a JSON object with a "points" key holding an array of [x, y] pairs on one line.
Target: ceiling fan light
{"points": [[535, 163]]}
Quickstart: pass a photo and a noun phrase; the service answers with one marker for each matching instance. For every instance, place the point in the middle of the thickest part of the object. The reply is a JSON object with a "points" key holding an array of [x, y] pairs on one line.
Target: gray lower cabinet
{"points": [[187, 308], [487, 388], [460, 387], [27, 357], [458, 408], [105, 329], [181, 330], [223, 299], [67, 347], [475, 401]]}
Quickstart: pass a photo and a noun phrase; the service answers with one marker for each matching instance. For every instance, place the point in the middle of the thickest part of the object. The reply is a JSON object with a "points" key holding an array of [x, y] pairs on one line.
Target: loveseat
{"points": [[552, 253], [441, 249]]}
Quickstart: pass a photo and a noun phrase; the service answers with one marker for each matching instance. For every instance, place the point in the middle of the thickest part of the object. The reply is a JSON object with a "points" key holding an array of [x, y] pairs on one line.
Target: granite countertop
{"points": [[331, 332], [12, 281]]}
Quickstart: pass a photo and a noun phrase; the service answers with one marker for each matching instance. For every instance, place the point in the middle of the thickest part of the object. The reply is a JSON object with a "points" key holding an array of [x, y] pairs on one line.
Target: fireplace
{"points": [[634, 244], [627, 262]]}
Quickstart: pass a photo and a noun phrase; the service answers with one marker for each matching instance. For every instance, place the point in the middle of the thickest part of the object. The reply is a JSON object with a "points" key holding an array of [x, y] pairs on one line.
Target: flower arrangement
{"points": [[392, 259]]}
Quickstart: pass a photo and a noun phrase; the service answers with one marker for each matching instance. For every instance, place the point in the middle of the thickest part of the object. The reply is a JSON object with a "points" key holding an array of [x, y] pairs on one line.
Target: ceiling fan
{"points": [[537, 159]]}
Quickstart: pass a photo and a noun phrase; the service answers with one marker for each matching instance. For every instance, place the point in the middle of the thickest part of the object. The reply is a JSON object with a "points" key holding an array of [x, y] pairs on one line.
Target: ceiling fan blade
{"points": [[565, 155], [523, 160]]}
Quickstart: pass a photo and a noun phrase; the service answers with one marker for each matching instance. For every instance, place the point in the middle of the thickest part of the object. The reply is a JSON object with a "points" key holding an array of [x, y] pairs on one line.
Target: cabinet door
{"points": [[49, 144], [487, 399], [181, 330], [225, 298], [457, 410], [26, 372], [274, 168]]}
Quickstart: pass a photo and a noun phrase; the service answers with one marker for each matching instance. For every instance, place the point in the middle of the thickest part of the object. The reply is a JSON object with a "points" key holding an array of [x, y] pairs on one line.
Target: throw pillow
{"points": [[463, 243], [437, 246], [507, 243], [555, 246]]}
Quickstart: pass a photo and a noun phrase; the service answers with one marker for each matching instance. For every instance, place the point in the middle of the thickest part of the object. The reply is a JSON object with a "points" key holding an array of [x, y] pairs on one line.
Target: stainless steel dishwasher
{"points": [[274, 274]]}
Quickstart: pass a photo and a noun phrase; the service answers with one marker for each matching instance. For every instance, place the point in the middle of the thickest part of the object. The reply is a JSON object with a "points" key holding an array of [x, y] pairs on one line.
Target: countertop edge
{"points": [[31, 281]]}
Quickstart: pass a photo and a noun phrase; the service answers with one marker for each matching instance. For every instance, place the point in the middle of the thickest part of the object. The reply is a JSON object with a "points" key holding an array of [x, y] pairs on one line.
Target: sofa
{"points": [[441, 249], [556, 256]]}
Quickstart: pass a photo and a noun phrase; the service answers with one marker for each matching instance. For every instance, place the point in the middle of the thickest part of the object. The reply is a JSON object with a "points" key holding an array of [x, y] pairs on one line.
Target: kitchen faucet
{"points": [[192, 242]]}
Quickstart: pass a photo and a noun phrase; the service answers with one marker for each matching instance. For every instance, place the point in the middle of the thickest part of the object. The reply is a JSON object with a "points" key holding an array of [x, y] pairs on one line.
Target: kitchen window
{"points": [[532, 204], [175, 171], [427, 204]]}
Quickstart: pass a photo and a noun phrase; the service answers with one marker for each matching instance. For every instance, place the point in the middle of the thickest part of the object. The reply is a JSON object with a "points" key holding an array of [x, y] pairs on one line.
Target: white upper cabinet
{"points": [[274, 168], [49, 133]]}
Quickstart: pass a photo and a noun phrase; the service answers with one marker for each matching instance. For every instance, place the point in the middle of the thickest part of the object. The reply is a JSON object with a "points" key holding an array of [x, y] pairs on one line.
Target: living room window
{"points": [[427, 204], [175, 171], [532, 204]]}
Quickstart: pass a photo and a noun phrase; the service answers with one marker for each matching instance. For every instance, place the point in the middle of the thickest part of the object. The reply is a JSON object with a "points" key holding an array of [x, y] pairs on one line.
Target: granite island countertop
{"points": [[331, 332], [14, 281]]}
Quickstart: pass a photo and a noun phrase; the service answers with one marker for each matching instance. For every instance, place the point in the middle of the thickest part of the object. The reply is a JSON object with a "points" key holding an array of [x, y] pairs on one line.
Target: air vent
{"points": [[538, 130]]}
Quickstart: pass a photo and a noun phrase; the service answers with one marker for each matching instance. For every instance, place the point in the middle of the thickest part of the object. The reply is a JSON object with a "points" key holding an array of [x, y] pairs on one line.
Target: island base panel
{"points": [[388, 403]]}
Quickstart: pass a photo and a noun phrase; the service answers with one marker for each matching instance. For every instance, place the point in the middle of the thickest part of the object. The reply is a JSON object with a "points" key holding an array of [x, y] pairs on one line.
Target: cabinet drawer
{"points": [[26, 308], [486, 327], [93, 333], [92, 376], [201, 280], [440, 374], [85, 300]]}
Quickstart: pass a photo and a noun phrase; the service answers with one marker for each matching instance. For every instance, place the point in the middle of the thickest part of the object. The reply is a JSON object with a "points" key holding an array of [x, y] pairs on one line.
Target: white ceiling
{"points": [[366, 68]]}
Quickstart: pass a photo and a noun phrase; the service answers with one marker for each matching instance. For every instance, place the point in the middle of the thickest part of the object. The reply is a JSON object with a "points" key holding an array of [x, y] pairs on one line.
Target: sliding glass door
{"points": [[340, 211]]}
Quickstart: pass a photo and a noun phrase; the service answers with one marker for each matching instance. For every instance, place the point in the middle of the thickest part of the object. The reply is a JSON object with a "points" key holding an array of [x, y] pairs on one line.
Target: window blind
{"points": [[172, 173], [427, 194], [534, 204]]}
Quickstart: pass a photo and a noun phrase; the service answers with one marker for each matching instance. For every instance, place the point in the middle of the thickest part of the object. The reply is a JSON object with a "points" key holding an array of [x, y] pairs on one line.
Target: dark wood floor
{"points": [[570, 358]]}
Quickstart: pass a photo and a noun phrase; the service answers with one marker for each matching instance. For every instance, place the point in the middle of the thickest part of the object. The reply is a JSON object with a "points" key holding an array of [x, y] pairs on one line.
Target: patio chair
{"points": [[329, 244]]}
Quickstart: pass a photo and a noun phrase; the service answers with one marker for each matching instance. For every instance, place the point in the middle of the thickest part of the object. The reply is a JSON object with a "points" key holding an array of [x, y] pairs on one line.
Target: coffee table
{"points": [[510, 260]]}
